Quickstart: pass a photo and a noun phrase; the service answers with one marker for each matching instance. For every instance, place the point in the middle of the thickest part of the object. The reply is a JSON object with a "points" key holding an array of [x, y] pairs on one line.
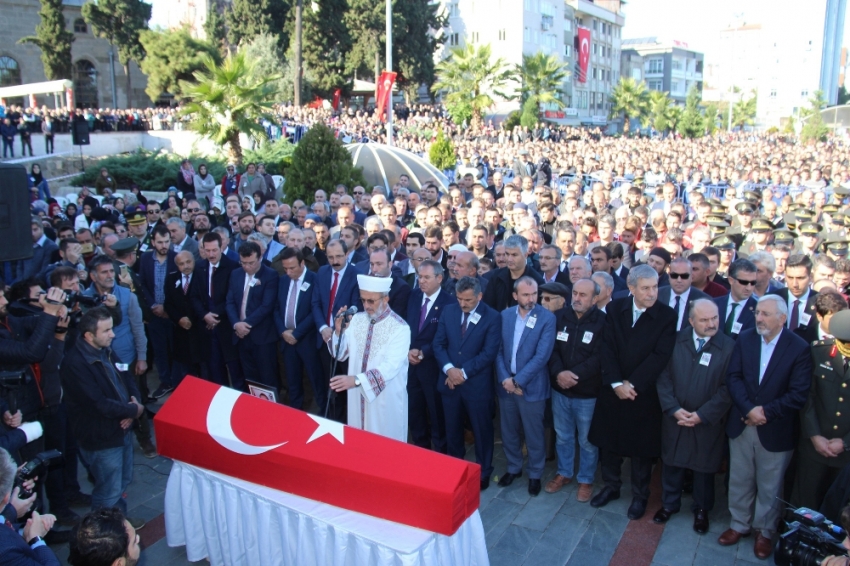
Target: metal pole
{"points": [[389, 68], [299, 7], [112, 77]]}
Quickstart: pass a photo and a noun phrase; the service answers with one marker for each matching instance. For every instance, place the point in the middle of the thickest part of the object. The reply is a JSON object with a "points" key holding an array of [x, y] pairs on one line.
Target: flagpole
{"points": [[389, 68]]}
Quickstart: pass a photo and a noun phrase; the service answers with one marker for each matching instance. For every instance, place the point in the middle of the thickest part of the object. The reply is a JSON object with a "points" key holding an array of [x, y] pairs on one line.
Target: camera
{"points": [[34, 468], [72, 299], [809, 539]]}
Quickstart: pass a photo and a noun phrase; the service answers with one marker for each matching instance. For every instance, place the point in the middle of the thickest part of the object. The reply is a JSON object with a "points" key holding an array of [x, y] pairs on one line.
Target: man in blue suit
{"points": [[466, 345], [209, 303], [425, 406], [29, 550], [293, 319], [522, 375], [737, 308], [335, 287], [769, 377], [154, 266], [251, 297]]}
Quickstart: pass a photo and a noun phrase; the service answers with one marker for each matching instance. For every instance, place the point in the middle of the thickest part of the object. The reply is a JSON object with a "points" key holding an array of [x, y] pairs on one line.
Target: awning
{"points": [[49, 87]]}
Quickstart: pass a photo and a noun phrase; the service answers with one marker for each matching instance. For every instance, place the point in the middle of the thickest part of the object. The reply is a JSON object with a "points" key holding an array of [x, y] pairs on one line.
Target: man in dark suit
{"points": [[679, 295], [600, 259], [769, 378], [209, 302], [550, 265], [380, 265], [42, 250], [29, 550], [180, 240], [465, 346], [251, 297], [500, 285], [335, 287], [798, 296], [293, 319], [637, 343], [737, 308], [186, 356], [154, 266], [695, 401], [425, 406], [827, 303]]}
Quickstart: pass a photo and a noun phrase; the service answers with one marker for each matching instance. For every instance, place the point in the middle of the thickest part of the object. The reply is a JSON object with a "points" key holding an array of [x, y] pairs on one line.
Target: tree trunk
{"points": [[129, 85], [626, 124], [234, 149]]}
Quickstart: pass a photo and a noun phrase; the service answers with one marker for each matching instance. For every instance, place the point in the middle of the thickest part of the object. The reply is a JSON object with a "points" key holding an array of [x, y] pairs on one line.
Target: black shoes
{"points": [[534, 487], [508, 479], [637, 509], [604, 497], [161, 391], [485, 483], [663, 515], [701, 521]]}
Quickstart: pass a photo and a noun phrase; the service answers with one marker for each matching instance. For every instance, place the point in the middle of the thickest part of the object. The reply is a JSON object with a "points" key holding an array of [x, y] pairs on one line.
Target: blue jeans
{"points": [[573, 414], [112, 469]]}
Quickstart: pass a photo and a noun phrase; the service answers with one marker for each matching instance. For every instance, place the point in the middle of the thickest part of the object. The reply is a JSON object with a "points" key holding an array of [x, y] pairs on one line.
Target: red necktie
{"points": [[333, 298]]}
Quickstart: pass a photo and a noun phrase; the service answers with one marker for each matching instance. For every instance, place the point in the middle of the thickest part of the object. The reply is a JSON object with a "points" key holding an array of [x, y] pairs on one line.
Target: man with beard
{"points": [[245, 223]]}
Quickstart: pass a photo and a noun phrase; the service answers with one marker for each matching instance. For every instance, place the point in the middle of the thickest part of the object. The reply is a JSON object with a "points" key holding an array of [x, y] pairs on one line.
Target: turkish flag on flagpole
{"points": [[337, 94], [223, 430], [583, 53], [385, 89]]}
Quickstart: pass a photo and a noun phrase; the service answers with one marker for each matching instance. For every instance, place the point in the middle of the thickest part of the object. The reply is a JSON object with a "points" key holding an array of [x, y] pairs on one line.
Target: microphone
{"points": [[350, 312]]}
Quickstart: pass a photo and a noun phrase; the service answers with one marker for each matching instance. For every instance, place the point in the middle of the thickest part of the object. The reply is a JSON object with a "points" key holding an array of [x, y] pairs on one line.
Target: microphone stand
{"points": [[331, 393]]}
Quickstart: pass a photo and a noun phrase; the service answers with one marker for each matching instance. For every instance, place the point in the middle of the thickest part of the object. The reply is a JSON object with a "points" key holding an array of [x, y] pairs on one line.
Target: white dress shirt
{"points": [[767, 349], [431, 300], [299, 282], [801, 309], [683, 301], [331, 286]]}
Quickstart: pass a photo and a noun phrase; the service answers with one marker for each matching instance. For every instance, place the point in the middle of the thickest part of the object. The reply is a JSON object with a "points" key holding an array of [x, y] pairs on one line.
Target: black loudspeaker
{"points": [[80, 132], [15, 230]]}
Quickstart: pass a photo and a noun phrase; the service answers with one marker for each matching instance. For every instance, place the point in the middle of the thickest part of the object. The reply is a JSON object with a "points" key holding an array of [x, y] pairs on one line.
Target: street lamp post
{"points": [[299, 7], [389, 68]]}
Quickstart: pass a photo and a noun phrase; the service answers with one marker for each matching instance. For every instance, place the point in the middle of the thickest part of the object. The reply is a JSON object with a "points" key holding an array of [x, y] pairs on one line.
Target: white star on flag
{"points": [[326, 426]]}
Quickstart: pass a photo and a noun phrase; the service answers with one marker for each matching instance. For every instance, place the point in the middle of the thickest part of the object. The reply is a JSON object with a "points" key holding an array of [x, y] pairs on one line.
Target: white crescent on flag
{"points": [[220, 428]]}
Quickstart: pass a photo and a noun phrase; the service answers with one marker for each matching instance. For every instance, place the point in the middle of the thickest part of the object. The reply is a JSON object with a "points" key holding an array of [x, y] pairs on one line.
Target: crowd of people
{"points": [[681, 303]]}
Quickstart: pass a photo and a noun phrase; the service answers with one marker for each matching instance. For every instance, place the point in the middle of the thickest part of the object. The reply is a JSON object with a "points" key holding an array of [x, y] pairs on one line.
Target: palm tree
{"points": [[631, 99], [659, 105], [674, 116], [468, 77], [744, 112], [225, 101], [541, 77]]}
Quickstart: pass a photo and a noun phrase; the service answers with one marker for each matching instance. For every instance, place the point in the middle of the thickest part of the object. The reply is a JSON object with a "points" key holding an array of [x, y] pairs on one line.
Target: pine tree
{"points": [[692, 124], [172, 57], [248, 19], [326, 44], [216, 28], [120, 22], [53, 40], [320, 161]]}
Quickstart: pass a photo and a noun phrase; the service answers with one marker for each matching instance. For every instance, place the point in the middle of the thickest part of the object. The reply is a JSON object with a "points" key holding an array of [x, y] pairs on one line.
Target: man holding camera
{"points": [[27, 548], [102, 400]]}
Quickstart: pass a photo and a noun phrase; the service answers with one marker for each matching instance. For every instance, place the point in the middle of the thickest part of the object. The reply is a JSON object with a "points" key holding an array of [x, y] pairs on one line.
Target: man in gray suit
{"points": [[522, 374], [695, 402], [680, 294], [180, 241]]}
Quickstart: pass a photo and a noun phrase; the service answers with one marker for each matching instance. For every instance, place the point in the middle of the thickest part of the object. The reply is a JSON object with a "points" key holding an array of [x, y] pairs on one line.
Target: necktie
{"points": [[676, 306], [730, 320], [212, 277], [333, 298], [700, 344], [636, 318], [185, 284], [795, 316], [423, 312], [463, 325], [245, 292], [291, 304]]}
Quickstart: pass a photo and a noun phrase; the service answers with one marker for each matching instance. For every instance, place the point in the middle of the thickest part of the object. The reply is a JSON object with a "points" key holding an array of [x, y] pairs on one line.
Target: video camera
{"points": [[10, 381], [34, 468], [72, 299], [810, 538]]}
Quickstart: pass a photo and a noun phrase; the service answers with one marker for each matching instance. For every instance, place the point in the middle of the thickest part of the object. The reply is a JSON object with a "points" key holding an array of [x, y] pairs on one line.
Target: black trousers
{"points": [[612, 465], [48, 143], [672, 479]]}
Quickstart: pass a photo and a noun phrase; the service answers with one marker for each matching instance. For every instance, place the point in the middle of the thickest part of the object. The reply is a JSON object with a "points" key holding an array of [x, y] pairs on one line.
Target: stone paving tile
{"points": [[599, 541], [517, 540], [677, 546], [558, 542], [540, 510]]}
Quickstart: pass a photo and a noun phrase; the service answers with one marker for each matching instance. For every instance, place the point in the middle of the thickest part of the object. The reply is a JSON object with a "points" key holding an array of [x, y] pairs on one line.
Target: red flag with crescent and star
{"points": [[583, 49], [223, 430], [385, 89]]}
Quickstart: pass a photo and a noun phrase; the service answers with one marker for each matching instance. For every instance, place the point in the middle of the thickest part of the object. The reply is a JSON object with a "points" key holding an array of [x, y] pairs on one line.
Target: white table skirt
{"points": [[233, 523]]}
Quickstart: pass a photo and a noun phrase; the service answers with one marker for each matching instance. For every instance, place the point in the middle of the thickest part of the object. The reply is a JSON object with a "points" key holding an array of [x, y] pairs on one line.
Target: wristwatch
{"points": [[33, 540], [356, 382]]}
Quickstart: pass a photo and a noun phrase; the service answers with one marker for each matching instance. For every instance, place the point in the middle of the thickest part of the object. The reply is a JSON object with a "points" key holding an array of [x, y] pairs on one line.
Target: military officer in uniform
{"points": [[758, 238], [137, 226], [725, 244], [742, 224], [824, 447], [836, 246], [810, 238]]}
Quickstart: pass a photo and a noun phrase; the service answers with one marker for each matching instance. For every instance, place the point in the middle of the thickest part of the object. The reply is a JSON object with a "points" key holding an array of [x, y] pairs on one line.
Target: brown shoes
{"points": [[585, 492], [555, 484], [730, 537], [763, 546]]}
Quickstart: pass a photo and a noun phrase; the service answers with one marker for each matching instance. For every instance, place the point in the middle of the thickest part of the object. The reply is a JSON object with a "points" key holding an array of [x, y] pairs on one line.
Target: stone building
{"points": [[21, 63]]}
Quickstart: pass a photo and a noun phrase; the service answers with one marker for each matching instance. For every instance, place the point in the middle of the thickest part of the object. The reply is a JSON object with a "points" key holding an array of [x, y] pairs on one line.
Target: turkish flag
{"points": [[583, 49], [222, 430], [337, 94], [385, 89]]}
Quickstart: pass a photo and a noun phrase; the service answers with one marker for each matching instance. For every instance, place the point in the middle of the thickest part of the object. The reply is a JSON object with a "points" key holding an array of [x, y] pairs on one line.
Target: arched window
{"points": [[85, 84], [10, 72], [80, 26]]}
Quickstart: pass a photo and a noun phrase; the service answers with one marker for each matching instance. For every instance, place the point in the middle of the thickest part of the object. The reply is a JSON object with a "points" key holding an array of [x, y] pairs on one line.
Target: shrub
{"points": [[442, 153]]}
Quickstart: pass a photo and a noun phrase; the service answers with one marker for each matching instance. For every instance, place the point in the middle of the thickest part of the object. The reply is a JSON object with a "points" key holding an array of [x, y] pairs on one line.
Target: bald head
{"points": [[185, 262], [704, 317]]}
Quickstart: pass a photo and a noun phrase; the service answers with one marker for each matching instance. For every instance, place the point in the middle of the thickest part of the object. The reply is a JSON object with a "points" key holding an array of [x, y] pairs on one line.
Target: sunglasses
{"points": [[153, 212], [193, 209], [680, 275], [751, 282]]}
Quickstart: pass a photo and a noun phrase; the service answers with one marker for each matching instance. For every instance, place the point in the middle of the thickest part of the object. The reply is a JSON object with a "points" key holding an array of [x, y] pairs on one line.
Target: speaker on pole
{"points": [[15, 231], [80, 132]]}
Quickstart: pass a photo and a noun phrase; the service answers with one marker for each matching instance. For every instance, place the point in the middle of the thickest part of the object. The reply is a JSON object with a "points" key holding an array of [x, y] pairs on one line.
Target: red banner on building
{"points": [[385, 89], [337, 94], [583, 50]]}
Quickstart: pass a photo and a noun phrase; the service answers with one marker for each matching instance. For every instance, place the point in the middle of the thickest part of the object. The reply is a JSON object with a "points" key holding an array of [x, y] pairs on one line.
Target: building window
{"points": [[530, 5], [80, 26], [454, 39], [804, 94], [85, 84], [595, 49], [568, 23], [567, 50], [593, 24], [502, 34], [677, 65], [655, 66], [773, 93], [526, 35], [655, 85], [10, 72], [475, 37]]}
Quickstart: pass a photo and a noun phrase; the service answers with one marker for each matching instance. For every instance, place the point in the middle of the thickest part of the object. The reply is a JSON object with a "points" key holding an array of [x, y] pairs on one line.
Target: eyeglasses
{"points": [[745, 281], [358, 193], [680, 275], [193, 209], [417, 259]]}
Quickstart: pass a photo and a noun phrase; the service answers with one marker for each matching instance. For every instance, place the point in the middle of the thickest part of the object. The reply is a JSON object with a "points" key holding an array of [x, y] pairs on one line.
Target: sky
{"points": [[698, 22]]}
